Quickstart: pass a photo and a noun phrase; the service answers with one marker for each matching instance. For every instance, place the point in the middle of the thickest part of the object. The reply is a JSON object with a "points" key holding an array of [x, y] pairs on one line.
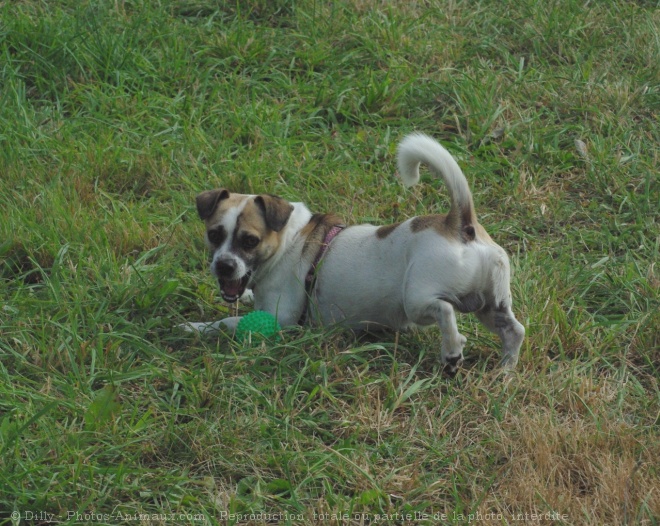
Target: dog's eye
{"points": [[249, 242], [216, 237]]}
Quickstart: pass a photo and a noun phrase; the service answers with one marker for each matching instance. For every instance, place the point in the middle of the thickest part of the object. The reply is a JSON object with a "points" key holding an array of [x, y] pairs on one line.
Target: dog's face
{"points": [[243, 232]]}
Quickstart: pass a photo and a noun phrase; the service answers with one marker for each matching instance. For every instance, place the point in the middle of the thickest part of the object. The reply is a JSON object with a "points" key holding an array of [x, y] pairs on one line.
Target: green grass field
{"points": [[114, 115]]}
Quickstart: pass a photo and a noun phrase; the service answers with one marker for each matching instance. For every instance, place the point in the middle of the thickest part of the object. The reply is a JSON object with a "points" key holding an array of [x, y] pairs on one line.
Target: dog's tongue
{"points": [[232, 287]]}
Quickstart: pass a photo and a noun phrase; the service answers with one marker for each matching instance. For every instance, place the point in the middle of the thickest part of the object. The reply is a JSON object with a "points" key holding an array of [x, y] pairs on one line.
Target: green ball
{"points": [[258, 325]]}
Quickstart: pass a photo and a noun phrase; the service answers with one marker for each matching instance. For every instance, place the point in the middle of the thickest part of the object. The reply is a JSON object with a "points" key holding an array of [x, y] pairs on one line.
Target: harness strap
{"points": [[324, 246], [310, 279]]}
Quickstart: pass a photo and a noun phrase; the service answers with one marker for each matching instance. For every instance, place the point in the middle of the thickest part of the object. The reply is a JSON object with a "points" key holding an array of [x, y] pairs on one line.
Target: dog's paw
{"points": [[248, 297], [198, 327], [206, 328], [451, 353], [452, 364], [227, 325], [508, 362]]}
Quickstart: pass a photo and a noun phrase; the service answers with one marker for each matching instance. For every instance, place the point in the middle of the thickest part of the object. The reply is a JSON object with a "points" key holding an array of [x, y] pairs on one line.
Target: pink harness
{"points": [[310, 279], [324, 246]]}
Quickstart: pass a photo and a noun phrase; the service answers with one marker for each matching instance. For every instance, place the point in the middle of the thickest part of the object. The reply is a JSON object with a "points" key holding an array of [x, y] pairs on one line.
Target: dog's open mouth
{"points": [[232, 289]]}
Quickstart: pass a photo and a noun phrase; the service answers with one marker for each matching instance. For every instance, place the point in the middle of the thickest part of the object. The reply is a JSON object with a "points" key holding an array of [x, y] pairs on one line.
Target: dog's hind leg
{"points": [[502, 322], [497, 315]]}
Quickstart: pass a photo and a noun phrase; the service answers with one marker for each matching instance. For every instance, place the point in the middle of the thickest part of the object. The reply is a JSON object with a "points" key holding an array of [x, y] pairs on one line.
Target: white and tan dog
{"points": [[305, 267]]}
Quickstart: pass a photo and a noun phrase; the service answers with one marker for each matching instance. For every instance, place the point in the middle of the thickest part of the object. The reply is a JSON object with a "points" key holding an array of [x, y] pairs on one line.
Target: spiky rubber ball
{"points": [[258, 325]]}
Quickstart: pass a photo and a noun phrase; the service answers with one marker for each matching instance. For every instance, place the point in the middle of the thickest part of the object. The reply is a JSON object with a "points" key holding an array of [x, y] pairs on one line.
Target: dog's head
{"points": [[243, 232]]}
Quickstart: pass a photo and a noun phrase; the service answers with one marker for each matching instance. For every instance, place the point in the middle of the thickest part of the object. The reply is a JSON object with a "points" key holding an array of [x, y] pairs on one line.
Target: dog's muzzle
{"points": [[231, 287]]}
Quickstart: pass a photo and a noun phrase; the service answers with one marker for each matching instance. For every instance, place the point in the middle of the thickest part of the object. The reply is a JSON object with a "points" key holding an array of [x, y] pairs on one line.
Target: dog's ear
{"points": [[208, 201], [275, 209]]}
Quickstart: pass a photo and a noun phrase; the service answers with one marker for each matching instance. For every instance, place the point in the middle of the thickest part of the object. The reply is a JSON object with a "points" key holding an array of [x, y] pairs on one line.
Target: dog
{"points": [[311, 268]]}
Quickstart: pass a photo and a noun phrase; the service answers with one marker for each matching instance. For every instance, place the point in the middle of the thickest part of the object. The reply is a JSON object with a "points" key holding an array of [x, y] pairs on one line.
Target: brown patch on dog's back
{"points": [[445, 225], [437, 222], [386, 230]]}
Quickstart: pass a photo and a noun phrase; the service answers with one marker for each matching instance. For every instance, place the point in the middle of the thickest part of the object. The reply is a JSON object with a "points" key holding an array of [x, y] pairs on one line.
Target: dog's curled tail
{"points": [[419, 148]]}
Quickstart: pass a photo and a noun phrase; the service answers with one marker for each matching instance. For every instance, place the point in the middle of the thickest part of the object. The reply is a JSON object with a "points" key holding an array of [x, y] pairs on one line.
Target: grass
{"points": [[113, 115]]}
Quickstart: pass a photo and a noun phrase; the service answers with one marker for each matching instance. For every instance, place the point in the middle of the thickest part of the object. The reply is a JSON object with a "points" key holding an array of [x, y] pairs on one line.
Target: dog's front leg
{"points": [[441, 312], [226, 324], [451, 352], [287, 308]]}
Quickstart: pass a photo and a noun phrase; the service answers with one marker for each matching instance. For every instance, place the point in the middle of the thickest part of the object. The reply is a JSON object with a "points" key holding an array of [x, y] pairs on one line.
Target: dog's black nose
{"points": [[225, 267]]}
